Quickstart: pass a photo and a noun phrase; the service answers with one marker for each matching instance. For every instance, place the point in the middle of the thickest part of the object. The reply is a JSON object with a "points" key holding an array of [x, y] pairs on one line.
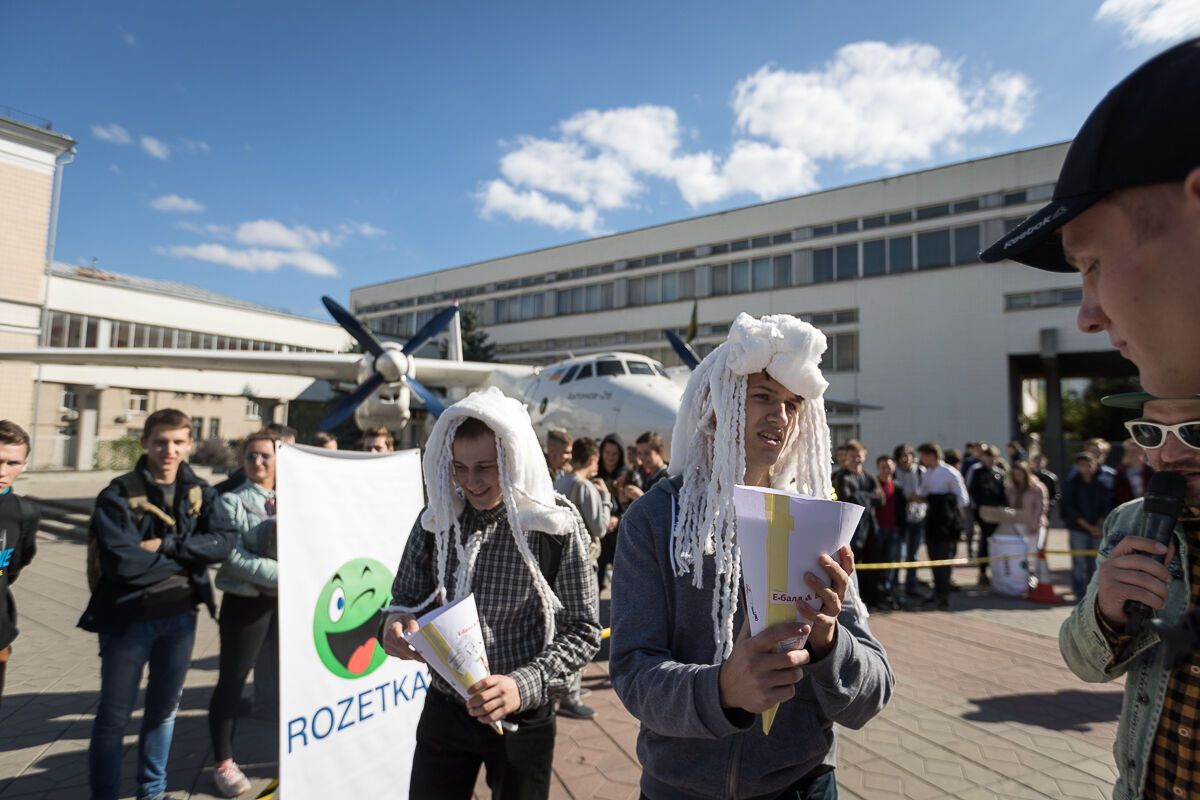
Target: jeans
{"points": [[914, 533], [1082, 567], [889, 551], [166, 645]]}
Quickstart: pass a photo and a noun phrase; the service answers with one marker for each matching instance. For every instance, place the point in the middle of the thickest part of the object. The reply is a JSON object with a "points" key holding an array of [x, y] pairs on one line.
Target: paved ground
{"points": [[984, 707]]}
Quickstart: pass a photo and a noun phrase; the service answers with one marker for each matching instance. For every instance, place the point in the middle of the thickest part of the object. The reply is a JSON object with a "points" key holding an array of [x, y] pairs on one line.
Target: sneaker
{"points": [[573, 710], [230, 780]]}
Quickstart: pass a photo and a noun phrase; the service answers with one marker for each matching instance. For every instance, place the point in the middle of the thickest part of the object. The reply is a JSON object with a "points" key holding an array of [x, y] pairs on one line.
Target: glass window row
{"points": [[64, 329]]}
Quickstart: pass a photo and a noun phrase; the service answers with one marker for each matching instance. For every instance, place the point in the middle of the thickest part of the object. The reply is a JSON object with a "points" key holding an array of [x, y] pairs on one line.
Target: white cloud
{"points": [[1149, 22], [155, 148], [114, 169], [531, 205], [111, 133], [877, 104], [272, 233], [196, 146], [255, 259], [176, 204], [126, 37], [364, 229], [873, 104]]}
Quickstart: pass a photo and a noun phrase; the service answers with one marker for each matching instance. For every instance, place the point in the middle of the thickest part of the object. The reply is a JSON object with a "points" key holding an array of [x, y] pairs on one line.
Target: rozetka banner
{"points": [[347, 712]]}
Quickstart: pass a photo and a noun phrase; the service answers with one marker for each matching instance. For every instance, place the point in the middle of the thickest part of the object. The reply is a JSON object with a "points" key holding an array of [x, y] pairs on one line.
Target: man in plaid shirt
{"points": [[494, 527]]}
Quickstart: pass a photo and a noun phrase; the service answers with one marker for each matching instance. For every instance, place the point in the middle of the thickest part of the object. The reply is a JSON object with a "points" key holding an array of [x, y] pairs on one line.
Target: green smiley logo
{"points": [[347, 618]]}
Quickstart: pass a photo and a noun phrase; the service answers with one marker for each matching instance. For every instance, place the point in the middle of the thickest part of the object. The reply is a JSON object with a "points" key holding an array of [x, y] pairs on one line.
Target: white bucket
{"points": [[1009, 565]]}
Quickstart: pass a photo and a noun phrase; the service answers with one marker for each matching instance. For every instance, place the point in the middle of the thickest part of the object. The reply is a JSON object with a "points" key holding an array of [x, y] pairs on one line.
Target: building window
{"points": [[68, 401], [900, 257], [966, 244], [670, 287], [761, 274], [874, 258], [874, 222], [933, 249], [841, 434], [252, 410], [1044, 298], [847, 262], [899, 217], [848, 226], [932, 212], [138, 403], [741, 276], [783, 270], [1015, 198], [720, 279], [844, 355], [650, 290], [823, 265], [214, 428], [761, 241], [197, 428]]}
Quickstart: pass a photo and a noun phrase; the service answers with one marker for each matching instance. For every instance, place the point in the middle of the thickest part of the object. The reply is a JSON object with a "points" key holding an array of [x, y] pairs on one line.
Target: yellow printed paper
{"points": [[781, 537]]}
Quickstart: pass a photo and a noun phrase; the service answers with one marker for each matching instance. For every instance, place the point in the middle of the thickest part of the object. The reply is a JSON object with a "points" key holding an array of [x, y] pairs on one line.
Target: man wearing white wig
{"points": [[682, 658], [495, 527]]}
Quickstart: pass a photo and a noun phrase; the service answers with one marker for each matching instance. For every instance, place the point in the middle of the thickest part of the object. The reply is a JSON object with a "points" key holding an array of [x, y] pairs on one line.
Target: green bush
{"points": [[119, 454]]}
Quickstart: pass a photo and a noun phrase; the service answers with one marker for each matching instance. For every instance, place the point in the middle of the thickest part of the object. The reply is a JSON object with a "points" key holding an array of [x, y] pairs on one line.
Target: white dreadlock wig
{"points": [[524, 484], [709, 440]]}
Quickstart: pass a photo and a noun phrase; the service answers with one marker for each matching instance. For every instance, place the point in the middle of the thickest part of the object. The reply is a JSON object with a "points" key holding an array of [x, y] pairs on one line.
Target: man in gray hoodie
{"points": [[753, 413]]}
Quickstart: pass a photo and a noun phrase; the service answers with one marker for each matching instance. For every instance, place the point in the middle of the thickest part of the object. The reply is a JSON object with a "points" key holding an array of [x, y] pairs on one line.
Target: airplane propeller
{"points": [[389, 365]]}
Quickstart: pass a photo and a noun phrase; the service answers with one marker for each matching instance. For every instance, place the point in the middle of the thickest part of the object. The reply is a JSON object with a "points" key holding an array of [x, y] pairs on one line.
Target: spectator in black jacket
{"points": [[985, 485], [153, 535], [857, 485], [615, 475], [19, 518], [1086, 501]]}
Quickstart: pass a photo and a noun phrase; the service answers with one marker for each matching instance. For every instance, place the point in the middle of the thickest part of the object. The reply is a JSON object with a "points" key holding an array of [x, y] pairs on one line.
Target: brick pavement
{"points": [[984, 708]]}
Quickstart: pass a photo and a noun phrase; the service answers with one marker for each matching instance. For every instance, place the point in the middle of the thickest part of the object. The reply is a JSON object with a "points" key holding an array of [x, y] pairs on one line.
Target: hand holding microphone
{"points": [[1133, 580]]}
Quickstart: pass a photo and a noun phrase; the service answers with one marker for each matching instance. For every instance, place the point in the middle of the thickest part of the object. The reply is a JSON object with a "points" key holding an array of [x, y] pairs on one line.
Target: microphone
{"points": [[1161, 507]]}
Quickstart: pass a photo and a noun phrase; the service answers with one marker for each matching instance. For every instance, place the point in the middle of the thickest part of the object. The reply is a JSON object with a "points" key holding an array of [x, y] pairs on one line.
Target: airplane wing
{"points": [[327, 366], [440, 372]]}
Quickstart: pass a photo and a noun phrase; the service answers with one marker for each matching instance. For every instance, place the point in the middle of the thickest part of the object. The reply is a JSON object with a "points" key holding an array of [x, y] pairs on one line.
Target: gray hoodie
{"points": [[662, 646]]}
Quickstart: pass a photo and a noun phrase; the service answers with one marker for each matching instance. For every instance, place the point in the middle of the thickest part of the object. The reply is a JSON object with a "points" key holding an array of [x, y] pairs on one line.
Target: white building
{"points": [[79, 406], [887, 268]]}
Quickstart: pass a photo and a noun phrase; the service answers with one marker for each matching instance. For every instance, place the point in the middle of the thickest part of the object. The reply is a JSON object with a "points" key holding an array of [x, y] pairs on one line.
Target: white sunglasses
{"points": [[1153, 435]]}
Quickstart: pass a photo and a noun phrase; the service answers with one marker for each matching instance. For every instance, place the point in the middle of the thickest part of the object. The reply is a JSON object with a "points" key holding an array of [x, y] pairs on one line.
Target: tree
{"points": [[477, 345]]}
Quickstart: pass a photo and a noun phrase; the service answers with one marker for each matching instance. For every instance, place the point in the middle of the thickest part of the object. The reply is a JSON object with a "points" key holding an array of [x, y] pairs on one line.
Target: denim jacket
{"points": [[1090, 657]]}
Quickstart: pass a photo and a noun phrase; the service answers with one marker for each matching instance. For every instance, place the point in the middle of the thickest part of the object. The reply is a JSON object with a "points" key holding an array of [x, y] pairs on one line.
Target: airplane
{"points": [[622, 393], [593, 395]]}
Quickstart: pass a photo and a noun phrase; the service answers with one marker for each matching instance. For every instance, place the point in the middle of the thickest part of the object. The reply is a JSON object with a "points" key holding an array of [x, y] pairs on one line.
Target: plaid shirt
{"points": [[1174, 768], [510, 612]]}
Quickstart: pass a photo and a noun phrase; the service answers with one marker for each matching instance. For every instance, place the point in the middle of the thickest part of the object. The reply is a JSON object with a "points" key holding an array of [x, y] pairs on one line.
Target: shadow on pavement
{"points": [[1067, 710]]}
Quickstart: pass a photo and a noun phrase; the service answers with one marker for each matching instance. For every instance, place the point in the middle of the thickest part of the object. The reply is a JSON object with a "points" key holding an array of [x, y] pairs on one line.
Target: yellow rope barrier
{"points": [[963, 562]]}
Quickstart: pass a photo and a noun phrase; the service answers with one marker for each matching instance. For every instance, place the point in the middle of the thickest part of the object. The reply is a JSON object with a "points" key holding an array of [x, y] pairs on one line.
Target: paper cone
{"points": [[451, 642]]}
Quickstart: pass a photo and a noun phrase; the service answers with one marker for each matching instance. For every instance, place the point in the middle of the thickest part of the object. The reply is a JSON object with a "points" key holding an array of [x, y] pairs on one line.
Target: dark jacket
{"points": [[128, 571], [942, 521], [1123, 490], [987, 487], [1083, 499], [862, 490], [17, 548]]}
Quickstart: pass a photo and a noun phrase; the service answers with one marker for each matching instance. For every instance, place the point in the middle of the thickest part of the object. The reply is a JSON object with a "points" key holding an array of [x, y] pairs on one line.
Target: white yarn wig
{"points": [[528, 495], [708, 448]]}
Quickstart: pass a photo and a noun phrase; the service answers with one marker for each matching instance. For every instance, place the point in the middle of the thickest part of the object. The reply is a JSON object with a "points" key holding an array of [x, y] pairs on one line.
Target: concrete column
{"points": [[1053, 438]]}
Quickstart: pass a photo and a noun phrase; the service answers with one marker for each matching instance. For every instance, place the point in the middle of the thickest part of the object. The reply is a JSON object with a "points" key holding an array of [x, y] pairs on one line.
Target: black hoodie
{"points": [[19, 518]]}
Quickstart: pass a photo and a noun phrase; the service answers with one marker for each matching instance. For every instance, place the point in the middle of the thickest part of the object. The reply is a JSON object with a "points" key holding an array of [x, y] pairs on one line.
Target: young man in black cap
{"points": [[1126, 215]]}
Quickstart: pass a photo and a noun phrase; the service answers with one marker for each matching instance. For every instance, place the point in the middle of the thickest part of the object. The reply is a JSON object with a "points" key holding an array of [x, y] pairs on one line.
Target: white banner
{"points": [[348, 713]]}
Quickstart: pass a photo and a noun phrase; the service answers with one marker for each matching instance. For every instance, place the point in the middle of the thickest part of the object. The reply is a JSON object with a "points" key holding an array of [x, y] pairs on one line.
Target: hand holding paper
{"points": [[451, 642]]}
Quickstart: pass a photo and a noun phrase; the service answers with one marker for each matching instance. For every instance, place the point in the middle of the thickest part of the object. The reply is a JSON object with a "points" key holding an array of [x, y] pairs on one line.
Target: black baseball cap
{"points": [[1145, 131]]}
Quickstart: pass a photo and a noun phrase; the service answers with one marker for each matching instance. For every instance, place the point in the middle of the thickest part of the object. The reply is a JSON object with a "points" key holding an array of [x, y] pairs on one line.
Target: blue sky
{"points": [[277, 151]]}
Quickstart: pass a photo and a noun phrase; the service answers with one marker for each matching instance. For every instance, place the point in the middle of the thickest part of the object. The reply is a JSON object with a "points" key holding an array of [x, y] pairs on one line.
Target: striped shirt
{"points": [[510, 611]]}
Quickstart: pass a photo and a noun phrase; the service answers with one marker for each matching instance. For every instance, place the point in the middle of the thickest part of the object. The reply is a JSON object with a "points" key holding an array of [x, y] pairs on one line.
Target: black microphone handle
{"points": [[1158, 527]]}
